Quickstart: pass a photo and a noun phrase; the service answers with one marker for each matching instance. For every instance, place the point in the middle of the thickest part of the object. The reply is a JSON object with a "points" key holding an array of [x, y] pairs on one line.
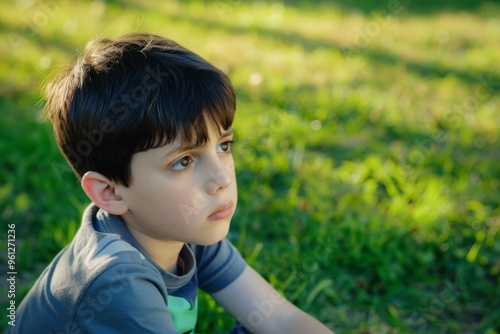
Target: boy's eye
{"points": [[182, 164], [224, 147]]}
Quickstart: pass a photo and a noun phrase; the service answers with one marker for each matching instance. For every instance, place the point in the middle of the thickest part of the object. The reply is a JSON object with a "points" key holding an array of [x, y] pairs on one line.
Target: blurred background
{"points": [[367, 149]]}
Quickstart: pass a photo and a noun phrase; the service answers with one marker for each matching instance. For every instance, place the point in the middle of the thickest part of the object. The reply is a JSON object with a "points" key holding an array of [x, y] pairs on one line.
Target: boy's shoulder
{"points": [[92, 250], [92, 271], [91, 255]]}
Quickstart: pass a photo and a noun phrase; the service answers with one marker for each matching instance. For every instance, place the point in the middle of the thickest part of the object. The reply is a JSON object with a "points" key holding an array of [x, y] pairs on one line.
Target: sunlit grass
{"points": [[366, 148]]}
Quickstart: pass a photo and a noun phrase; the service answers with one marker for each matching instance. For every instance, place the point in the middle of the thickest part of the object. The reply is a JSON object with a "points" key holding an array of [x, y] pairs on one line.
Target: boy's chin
{"points": [[213, 239]]}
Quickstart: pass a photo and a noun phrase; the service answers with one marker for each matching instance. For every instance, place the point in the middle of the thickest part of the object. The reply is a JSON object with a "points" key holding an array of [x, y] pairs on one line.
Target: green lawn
{"points": [[367, 149]]}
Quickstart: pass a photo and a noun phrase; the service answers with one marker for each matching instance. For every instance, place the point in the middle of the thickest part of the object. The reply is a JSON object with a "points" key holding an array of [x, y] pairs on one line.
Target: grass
{"points": [[367, 149]]}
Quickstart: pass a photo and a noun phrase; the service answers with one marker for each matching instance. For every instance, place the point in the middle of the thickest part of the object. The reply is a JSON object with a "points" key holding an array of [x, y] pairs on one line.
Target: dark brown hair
{"points": [[131, 94]]}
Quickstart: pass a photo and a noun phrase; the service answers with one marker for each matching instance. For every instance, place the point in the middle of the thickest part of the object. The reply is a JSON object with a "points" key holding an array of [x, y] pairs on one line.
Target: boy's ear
{"points": [[102, 192]]}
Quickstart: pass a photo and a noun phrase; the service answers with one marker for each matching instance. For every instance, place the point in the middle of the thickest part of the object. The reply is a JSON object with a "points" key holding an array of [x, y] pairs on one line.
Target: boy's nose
{"points": [[219, 179]]}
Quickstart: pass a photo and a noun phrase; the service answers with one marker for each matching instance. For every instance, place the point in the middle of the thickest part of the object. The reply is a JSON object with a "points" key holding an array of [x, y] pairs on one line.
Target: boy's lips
{"points": [[222, 211]]}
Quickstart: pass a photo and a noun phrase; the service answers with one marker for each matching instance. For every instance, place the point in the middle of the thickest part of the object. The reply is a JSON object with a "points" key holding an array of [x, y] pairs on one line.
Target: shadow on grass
{"points": [[420, 7], [374, 56]]}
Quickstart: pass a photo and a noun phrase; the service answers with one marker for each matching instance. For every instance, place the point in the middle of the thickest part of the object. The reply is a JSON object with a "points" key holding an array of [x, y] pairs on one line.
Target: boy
{"points": [[146, 126]]}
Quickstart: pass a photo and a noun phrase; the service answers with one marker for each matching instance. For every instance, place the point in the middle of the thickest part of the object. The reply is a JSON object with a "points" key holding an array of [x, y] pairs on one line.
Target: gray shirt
{"points": [[103, 282]]}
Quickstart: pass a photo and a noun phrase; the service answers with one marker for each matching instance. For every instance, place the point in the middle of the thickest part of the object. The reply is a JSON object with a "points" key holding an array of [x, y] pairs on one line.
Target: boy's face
{"points": [[186, 195]]}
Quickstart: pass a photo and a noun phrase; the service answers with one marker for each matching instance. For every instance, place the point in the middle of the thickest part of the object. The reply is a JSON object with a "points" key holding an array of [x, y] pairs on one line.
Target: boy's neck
{"points": [[163, 253]]}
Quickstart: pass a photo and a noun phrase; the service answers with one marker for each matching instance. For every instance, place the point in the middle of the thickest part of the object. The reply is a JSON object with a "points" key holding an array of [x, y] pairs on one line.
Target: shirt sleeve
{"points": [[126, 298], [218, 265]]}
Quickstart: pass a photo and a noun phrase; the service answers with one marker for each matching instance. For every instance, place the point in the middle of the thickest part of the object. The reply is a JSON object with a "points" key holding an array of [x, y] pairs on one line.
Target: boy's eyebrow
{"points": [[227, 133], [189, 146], [192, 145]]}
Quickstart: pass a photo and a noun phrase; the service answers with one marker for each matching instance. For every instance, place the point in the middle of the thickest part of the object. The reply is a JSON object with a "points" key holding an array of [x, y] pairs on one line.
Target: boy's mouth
{"points": [[222, 211]]}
